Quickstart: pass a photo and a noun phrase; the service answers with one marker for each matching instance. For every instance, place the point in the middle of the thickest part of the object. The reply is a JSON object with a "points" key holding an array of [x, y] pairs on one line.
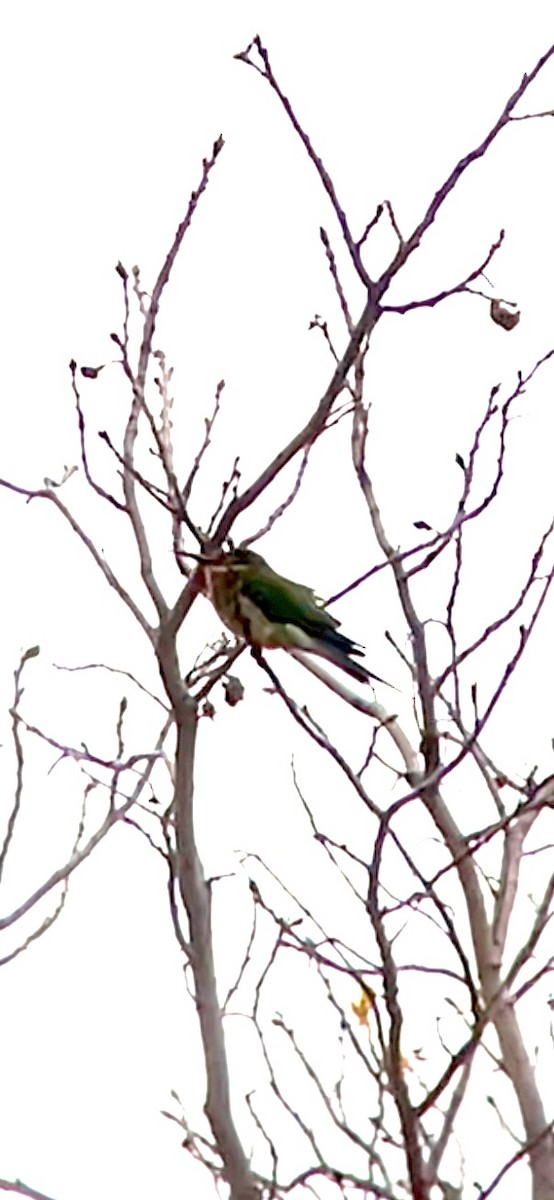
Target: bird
{"points": [[272, 612]]}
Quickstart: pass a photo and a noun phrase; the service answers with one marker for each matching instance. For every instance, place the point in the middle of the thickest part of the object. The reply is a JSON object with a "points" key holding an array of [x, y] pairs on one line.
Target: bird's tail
{"points": [[340, 658]]}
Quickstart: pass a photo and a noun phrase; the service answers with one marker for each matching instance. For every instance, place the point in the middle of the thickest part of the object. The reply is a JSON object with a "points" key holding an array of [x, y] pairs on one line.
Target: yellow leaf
{"points": [[364, 1006]]}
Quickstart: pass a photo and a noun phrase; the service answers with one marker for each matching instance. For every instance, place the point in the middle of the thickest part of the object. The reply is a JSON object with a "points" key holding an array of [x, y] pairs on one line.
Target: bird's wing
{"points": [[277, 612], [288, 603]]}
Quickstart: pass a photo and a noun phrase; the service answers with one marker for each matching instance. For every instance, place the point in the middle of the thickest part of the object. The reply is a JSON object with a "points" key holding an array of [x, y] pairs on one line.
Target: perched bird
{"points": [[272, 612]]}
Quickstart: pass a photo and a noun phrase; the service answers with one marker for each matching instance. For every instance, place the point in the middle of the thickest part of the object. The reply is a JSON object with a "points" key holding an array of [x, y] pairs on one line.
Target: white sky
{"points": [[107, 114]]}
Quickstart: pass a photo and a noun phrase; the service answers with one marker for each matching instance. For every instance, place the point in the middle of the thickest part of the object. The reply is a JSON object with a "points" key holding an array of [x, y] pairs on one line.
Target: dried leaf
{"points": [[505, 314], [92, 372], [233, 690]]}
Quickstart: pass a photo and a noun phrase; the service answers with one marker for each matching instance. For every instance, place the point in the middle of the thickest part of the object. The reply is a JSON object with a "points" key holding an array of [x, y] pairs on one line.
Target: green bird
{"points": [[272, 612]]}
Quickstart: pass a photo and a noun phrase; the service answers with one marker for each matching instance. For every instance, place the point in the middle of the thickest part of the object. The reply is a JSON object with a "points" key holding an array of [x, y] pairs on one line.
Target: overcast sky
{"points": [[107, 114]]}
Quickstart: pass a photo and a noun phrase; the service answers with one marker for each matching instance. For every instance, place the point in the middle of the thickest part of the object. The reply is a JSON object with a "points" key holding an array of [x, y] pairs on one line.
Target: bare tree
{"points": [[364, 1115]]}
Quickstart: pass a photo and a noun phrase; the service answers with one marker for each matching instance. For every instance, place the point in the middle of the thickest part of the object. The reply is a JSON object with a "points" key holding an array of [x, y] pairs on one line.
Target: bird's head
{"points": [[243, 557], [240, 560]]}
